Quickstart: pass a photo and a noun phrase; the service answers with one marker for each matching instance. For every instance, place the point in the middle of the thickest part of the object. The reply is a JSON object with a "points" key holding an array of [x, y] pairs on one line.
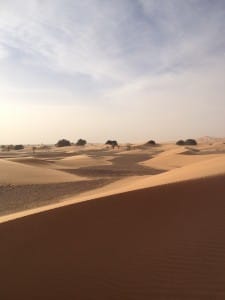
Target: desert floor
{"points": [[145, 222]]}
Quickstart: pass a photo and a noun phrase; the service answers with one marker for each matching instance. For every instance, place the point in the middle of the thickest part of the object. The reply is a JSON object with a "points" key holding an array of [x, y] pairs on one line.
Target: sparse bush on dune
{"points": [[180, 143], [81, 142], [3, 147], [112, 143], [11, 147], [18, 147], [188, 142], [151, 143], [63, 143]]}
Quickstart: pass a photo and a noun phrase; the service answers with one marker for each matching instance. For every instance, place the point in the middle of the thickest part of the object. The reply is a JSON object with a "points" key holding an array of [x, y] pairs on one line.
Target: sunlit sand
{"points": [[130, 223]]}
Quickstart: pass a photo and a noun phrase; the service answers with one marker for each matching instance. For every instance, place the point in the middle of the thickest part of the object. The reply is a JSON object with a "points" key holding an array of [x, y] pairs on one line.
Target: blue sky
{"points": [[125, 69]]}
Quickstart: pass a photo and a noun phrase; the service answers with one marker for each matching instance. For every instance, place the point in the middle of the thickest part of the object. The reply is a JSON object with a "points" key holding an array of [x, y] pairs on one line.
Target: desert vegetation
{"points": [[81, 142], [63, 143], [188, 142], [180, 143], [112, 143], [18, 147], [12, 147], [151, 143]]}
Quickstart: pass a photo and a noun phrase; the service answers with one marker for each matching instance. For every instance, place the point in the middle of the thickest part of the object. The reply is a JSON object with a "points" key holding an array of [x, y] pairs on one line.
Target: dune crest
{"points": [[17, 173]]}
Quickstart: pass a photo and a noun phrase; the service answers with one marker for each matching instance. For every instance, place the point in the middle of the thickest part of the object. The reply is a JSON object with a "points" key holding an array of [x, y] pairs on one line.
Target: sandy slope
{"points": [[215, 165], [17, 173], [175, 157], [210, 165], [165, 242], [79, 161]]}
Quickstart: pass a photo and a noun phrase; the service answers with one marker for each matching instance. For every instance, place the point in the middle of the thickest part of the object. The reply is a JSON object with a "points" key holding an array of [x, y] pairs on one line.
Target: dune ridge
{"points": [[17, 173], [210, 166], [163, 242]]}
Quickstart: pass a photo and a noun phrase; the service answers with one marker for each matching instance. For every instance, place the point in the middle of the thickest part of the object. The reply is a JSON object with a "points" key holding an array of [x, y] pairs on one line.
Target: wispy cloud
{"points": [[118, 39], [110, 53]]}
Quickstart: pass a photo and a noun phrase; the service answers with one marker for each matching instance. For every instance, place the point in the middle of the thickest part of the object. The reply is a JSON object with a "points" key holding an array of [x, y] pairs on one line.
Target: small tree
{"points": [[18, 147], [112, 143], [81, 142], [151, 143], [63, 143], [180, 143], [190, 142]]}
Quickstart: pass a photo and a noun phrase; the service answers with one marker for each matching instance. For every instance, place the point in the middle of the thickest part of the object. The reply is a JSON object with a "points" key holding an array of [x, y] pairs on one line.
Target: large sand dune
{"points": [[17, 173], [176, 157], [165, 242], [211, 166]]}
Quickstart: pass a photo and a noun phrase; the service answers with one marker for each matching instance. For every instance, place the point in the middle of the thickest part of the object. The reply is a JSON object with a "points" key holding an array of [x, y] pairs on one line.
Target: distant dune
{"points": [[17, 173]]}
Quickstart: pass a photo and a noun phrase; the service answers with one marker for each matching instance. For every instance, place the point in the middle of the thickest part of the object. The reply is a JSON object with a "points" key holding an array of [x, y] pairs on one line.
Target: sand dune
{"points": [[209, 166], [176, 157], [206, 168], [79, 161], [17, 173], [165, 242]]}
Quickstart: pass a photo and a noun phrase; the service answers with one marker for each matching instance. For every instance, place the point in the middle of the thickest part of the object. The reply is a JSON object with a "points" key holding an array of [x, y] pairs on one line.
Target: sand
{"points": [[165, 242], [31, 182], [79, 161], [126, 170], [16, 173], [146, 223]]}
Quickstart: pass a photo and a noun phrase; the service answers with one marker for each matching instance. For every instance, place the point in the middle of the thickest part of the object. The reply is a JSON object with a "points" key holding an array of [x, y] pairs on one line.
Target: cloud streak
{"points": [[113, 53]]}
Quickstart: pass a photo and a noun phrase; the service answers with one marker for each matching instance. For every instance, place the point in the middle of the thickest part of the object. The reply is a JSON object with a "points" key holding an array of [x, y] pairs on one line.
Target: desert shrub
{"points": [[151, 143], [109, 142], [81, 142], [180, 143], [128, 147], [112, 143], [190, 142], [18, 147], [63, 143]]}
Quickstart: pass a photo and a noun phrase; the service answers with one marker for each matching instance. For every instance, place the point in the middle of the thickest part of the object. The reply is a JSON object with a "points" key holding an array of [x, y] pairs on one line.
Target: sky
{"points": [[130, 70]]}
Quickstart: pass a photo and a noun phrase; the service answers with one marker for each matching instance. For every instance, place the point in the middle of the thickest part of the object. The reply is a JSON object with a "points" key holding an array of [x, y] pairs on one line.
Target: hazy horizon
{"points": [[126, 70]]}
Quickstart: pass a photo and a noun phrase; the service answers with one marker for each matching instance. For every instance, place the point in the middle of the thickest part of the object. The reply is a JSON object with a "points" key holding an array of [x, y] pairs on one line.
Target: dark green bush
{"points": [[151, 143], [63, 143], [81, 142], [180, 143], [112, 143], [18, 147], [190, 142]]}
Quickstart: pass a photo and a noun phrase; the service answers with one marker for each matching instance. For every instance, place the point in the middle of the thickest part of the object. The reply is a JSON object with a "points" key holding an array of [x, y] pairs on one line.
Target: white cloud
{"points": [[108, 39], [144, 55], [3, 52]]}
